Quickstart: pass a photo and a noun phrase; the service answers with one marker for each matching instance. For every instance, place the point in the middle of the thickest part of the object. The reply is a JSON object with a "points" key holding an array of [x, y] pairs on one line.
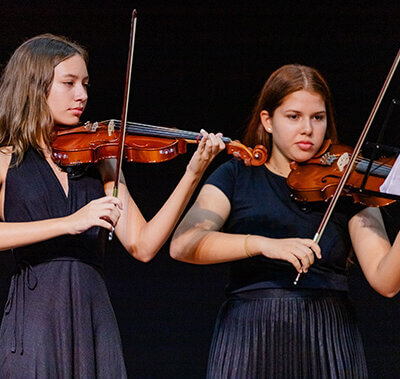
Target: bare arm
{"points": [[17, 234], [101, 212], [198, 239], [143, 239], [379, 260]]}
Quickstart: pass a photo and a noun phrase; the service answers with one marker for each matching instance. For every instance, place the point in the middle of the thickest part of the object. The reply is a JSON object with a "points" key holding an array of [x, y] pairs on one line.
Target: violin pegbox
{"points": [[327, 159], [90, 127]]}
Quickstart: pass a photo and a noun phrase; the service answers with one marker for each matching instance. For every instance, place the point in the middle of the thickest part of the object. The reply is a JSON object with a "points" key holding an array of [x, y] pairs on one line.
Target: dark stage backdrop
{"points": [[201, 65]]}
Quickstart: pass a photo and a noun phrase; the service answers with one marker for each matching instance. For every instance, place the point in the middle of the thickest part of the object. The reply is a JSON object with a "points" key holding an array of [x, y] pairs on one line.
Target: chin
{"points": [[303, 156], [68, 122]]}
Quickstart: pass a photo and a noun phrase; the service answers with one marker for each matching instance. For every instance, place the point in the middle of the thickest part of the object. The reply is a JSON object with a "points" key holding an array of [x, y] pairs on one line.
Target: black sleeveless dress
{"points": [[58, 321]]}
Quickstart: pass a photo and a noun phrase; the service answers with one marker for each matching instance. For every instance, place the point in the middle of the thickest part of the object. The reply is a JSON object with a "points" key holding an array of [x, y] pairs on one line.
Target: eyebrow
{"points": [[74, 76], [297, 111]]}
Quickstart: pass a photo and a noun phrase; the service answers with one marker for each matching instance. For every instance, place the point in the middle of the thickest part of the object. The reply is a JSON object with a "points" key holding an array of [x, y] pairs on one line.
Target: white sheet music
{"points": [[392, 182]]}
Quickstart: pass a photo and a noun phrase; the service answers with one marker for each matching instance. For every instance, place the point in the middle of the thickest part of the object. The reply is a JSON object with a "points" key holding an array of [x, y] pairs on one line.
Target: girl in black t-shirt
{"points": [[269, 327]]}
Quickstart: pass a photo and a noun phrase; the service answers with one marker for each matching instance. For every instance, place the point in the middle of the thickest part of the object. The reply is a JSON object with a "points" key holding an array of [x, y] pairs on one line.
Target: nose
{"points": [[307, 127], [81, 93]]}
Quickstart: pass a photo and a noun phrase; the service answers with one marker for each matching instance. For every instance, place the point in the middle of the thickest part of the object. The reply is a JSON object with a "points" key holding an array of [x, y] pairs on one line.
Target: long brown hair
{"points": [[281, 83], [25, 118]]}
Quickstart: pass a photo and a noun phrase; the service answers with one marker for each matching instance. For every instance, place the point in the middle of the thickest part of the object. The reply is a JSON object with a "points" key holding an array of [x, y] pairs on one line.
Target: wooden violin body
{"points": [[318, 178], [93, 142], [86, 144]]}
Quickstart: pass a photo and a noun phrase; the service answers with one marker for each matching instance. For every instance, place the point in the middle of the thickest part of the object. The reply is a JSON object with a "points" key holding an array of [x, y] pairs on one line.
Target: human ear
{"points": [[266, 121]]}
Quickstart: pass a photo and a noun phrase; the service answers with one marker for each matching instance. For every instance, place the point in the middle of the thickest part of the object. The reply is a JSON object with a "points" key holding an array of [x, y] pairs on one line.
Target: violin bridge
{"points": [[343, 161], [111, 127]]}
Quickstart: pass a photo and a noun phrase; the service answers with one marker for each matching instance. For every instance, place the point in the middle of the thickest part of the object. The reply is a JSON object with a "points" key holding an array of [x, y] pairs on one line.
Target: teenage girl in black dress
{"points": [[58, 321]]}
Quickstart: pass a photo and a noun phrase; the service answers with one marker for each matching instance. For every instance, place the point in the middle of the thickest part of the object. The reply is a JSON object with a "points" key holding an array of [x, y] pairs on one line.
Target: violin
{"points": [[317, 179], [92, 142]]}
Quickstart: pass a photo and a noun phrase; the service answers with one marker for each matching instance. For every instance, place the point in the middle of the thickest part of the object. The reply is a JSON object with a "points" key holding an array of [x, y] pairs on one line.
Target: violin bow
{"points": [[121, 142], [354, 156]]}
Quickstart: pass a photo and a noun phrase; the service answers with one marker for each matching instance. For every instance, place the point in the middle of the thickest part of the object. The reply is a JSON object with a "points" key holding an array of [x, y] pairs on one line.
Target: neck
{"points": [[278, 166]]}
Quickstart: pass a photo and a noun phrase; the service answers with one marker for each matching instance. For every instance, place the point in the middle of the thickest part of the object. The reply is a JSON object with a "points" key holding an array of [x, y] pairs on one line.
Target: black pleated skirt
{"points": [[277, 333]]}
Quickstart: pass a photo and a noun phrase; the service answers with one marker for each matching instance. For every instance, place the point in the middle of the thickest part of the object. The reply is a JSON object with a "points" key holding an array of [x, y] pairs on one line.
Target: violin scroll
{"points": [[251, 157]]}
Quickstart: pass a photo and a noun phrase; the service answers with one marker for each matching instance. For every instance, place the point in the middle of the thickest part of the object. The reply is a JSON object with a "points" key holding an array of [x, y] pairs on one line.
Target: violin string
{"points": [[377, 167], [162, 131]]}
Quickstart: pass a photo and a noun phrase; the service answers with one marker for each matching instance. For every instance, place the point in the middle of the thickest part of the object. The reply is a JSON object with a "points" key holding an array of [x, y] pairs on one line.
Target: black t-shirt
{"points": [[261, 204]]}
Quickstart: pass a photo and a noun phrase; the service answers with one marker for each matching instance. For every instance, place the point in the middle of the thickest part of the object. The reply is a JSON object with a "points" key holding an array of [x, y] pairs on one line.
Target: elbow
{"points": [[144, 258], [176, 251], [184, 252], [141, 254], [388, 294], [187, 247], [181, 249], [387, 291]]}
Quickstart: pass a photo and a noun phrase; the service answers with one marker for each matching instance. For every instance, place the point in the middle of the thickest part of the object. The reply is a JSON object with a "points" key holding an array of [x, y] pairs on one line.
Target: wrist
{"points": [[64, 226], [197, 166], [193, 175], [250, 246]]}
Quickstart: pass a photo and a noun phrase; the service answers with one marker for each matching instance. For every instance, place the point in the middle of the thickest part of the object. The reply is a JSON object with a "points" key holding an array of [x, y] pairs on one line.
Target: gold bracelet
{"points": [[246, 249]]}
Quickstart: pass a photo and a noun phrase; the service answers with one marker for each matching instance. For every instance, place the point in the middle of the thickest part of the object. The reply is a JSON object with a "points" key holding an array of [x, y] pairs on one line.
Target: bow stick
{"points": [[121, 141]]}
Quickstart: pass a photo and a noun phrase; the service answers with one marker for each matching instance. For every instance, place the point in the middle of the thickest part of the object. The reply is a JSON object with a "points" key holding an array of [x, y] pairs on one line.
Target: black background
{"points": [[201, 65]]}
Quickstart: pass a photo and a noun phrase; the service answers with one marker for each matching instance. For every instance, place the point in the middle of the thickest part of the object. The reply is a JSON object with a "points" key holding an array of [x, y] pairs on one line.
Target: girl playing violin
{"points": [[269, 327], [58, 320]]}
